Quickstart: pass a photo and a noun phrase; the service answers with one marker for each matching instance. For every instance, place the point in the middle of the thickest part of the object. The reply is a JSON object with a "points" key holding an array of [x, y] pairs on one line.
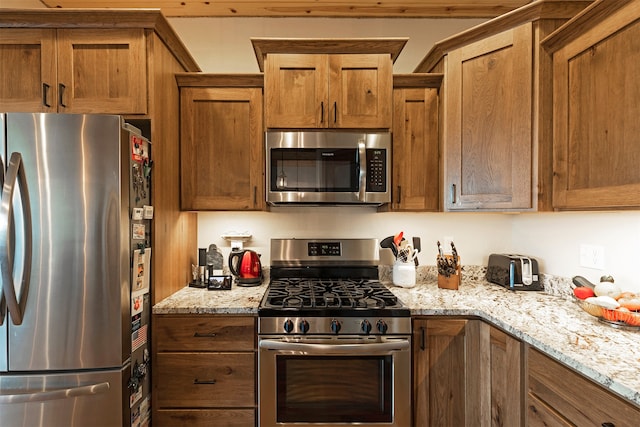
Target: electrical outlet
{"points": [[592, 256]]}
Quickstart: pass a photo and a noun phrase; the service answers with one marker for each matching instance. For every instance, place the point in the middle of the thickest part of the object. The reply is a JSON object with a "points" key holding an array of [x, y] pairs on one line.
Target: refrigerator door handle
{"points": [[64, 393], [3, 307], [15, 174]]}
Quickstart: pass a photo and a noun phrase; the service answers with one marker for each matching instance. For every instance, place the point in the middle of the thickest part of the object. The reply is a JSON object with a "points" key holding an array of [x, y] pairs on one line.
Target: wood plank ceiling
{"points": [[309, 8]]}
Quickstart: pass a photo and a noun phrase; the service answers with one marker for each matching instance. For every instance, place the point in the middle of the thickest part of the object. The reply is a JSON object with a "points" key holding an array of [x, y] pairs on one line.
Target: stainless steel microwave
{"points": [[328, 168]]}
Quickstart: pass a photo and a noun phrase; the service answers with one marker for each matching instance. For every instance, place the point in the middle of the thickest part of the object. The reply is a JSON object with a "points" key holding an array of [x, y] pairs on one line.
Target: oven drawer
{"points": [[205, 417], [204, 333], [205, 380]]}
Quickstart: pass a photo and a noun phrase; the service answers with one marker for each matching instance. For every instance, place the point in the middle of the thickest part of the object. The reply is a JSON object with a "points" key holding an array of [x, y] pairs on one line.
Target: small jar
{"points": [[404, 274]]}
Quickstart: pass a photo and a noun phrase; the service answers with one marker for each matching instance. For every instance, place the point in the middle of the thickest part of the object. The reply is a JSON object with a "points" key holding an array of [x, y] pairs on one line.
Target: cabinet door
{"points": [[28, 70], [505, 359], [296, 91], [102, 71], [415, 149], [487, 131], [596, 109], [360, 91], [221, 149], [559, 396], [439, 372]]}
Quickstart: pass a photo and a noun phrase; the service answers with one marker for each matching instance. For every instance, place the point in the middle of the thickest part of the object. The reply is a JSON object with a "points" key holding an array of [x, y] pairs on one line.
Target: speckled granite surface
{"points": [[550, 321]]}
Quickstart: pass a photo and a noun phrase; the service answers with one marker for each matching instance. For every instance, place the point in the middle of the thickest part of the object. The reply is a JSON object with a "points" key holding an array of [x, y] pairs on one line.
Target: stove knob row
{"points": [[289, 326]]}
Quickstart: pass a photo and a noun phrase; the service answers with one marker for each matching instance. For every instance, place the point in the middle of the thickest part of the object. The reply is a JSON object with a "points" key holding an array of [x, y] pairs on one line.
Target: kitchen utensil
{"points": [[397, 239], [246, 267], [417, 247], [387, 242]]}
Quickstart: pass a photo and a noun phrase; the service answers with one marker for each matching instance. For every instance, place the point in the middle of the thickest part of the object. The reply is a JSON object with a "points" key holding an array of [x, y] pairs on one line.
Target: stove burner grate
{"points": [[329, 294]]}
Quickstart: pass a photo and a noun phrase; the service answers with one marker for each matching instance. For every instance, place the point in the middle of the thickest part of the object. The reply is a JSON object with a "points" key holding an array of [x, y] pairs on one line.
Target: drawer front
{"points": [[205, 417], [204, 333], [573, 397], [205, 380]]}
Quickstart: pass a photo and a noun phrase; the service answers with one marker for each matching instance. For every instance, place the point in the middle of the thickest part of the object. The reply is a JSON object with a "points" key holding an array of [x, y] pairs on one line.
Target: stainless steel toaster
{"points": [[515, 272]]}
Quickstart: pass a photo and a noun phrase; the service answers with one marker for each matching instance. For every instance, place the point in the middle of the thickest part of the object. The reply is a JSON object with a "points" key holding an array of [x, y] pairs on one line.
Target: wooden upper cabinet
{"points": [[496, 110], [488, 150], [296, 91], [415, 147], [28, 63], [328, 91], [74, 70], [596, 109], [221, 148]]}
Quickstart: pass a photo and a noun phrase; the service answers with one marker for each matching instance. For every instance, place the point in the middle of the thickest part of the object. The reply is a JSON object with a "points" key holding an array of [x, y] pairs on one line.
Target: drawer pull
{"points": [[201, 382], [204, 335]]}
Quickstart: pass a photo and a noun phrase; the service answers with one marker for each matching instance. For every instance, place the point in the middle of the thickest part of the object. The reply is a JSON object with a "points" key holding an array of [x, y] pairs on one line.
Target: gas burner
{"points": [[320, 295]]}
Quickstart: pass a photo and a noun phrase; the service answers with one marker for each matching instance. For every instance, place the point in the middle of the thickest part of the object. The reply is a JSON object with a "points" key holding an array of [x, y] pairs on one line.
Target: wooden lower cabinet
{"points": [[558, 396], [466, 373], [204, 370], [501, 396], [439, 371]]}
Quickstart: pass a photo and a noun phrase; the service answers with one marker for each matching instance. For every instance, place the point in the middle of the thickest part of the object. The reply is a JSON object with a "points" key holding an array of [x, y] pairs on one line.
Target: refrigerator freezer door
{"points": [[77, 314], [73, 400]]}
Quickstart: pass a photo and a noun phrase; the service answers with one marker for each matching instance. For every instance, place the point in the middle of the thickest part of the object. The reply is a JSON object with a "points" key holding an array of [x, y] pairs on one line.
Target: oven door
{"points": [[335, 381]]}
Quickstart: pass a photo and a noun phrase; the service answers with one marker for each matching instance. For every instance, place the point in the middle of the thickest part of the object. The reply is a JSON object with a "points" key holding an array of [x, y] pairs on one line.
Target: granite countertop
{"points": [[549, 321]]}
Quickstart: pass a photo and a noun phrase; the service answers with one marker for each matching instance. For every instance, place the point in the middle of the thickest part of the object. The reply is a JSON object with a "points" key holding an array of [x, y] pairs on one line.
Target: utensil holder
{"points": [[404, 274], [453, 281]]}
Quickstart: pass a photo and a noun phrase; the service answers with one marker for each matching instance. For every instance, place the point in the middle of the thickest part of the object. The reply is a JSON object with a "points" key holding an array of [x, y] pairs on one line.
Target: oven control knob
{"points": [[335, 326], [288, 326], [365, 326], [382, 326], [304, 326]]}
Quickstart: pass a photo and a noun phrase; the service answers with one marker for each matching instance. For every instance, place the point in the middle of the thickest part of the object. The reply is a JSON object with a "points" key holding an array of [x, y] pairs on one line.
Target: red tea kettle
{"points": [[246, 267]]}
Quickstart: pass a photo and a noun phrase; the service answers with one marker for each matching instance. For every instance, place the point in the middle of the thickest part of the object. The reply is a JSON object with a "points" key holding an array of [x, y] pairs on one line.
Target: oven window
{"points": [[310, 169], [334, 389]]}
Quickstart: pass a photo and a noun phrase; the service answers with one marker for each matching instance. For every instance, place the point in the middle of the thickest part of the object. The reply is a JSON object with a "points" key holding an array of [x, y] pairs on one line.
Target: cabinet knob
{"points": [[608, 424], [322, 112]]}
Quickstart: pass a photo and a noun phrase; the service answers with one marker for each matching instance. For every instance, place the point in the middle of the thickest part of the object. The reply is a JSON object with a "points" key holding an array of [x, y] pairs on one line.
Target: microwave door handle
{"points": [[362, 155], [15, 174]]}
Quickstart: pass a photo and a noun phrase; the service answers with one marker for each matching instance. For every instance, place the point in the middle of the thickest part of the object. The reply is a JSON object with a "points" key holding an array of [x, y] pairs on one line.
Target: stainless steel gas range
{"points": [[334, 343]]}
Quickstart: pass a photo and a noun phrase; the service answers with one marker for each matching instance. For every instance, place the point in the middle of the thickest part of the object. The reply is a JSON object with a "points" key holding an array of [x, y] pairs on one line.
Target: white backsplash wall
{"points": [[554, 239], [475, 235]]}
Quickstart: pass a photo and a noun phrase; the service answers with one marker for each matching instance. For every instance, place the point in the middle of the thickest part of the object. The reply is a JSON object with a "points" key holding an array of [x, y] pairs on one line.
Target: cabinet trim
{"points": [[264, 46]]}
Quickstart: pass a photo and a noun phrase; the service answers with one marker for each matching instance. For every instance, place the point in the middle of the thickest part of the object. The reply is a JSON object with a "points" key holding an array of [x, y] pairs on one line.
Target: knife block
{"points": [[453, 281]]}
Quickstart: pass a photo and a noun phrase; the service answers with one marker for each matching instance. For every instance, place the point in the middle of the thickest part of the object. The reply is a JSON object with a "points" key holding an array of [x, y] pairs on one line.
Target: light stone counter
{"points": [[550, 321]]}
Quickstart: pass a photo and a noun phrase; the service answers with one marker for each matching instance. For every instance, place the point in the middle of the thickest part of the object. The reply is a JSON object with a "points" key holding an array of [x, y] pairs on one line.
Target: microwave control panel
{"points": [[376, 170]]}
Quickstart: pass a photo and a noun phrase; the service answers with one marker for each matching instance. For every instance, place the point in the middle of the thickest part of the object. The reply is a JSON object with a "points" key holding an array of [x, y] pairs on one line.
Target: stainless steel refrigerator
{"points": [[75, 230]]}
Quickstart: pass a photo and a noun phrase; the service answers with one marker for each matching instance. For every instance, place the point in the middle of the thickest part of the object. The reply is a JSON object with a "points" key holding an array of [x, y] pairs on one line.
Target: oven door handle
{"points": [[309, 348]]}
